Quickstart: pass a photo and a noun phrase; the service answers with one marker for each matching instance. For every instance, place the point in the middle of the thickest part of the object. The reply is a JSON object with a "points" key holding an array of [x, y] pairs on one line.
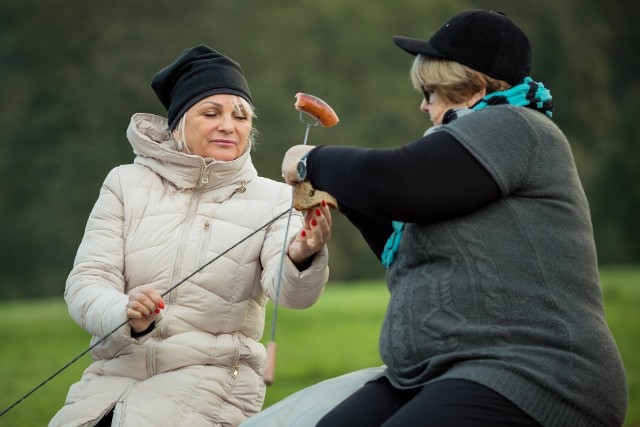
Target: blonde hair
{"points": [[450, 79], [240, 106]]}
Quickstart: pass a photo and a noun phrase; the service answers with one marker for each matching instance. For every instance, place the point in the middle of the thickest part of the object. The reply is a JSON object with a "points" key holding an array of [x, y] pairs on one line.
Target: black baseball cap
{"points": [[486, 41]]}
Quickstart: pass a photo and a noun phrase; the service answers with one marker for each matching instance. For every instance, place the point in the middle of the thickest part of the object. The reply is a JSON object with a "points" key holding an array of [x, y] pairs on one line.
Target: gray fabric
{"points": [[509, 295], [306, 407]]}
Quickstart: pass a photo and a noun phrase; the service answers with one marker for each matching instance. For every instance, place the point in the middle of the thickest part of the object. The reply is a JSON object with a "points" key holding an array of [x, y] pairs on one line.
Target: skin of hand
{"points": [[144, 305], [317, 221], [290, 162], [315, 233]]}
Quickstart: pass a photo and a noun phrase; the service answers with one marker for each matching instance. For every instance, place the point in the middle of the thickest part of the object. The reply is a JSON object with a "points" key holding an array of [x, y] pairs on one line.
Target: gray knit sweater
{"points": [[509, 295]]}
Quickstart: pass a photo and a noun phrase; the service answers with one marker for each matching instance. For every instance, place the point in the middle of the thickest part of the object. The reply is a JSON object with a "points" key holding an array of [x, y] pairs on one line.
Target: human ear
{"points": [[476, 97]]}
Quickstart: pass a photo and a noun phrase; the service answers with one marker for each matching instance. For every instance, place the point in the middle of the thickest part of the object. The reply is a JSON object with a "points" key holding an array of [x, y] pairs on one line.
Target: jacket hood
{"points": [[155, 148]]}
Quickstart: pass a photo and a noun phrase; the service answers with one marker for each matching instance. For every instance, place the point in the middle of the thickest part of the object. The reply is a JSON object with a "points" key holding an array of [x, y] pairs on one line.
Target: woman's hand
{"points": [[144, 304], [290, 162], [313, 236]]}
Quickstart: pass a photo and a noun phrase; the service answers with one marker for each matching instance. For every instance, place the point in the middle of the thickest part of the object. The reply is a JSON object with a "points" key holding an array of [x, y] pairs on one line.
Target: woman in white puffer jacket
{"points": [[191, 357]]}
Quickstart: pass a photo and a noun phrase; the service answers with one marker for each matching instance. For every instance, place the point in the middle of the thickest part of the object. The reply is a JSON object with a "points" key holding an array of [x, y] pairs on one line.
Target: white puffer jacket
{"points": [[155, 222]]}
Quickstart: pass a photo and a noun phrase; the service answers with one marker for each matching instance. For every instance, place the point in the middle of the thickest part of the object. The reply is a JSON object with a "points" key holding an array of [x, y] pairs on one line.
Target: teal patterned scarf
{"points": [[529, 94]]}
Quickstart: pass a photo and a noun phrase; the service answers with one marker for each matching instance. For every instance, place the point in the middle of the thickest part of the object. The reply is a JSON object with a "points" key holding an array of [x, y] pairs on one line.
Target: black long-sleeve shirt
{"points": [[431, 179]]}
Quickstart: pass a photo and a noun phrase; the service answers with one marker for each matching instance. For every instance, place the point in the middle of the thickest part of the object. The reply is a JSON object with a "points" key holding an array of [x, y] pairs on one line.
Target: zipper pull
{"points": [[234, 375], [204, 178], [242, 187]]}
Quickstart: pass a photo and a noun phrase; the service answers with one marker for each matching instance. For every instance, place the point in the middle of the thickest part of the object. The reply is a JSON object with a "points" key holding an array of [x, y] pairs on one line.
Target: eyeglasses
{"points": [[428, 93]]}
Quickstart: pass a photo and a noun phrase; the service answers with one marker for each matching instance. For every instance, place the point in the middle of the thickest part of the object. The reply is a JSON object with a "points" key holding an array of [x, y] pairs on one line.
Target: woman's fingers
{"points": [[326, 212], [136, 310], [144, 302], [320, 221], [316, 232], [320, 228]]}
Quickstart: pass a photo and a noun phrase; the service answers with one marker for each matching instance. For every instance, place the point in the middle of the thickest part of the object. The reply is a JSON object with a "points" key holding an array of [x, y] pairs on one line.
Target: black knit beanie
{"points": [[484, 40], [197, 73]]}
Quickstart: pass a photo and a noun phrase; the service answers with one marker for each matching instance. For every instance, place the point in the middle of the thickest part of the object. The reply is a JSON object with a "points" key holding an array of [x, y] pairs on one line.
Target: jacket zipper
{"points": [[236, 364], [206, 233], [176, 275], [193, 207]]}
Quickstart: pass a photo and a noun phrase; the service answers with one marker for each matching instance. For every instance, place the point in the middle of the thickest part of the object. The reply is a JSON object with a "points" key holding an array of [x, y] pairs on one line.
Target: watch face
{"points": [[302, 170]]}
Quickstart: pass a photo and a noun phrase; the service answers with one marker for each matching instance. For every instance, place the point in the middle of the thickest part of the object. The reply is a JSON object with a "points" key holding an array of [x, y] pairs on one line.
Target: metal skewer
{"points": [[270, 369]]}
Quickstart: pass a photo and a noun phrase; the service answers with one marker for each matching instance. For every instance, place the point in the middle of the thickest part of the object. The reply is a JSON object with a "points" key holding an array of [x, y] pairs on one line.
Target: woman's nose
{"points": [[226, 123], [424, 106]]}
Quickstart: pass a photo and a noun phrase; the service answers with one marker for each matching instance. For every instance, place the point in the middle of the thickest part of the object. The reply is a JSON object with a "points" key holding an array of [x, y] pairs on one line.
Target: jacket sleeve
{"points": [[375, 231], [298, 289], [434, 178], [95, 288]]}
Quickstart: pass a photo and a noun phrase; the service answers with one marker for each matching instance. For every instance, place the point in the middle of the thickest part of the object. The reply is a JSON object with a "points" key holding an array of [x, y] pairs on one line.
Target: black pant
{"points": [[445, 403]]}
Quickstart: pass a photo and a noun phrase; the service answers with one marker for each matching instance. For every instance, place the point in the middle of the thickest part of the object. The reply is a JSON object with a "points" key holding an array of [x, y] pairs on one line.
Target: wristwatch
{"points": [[302, 167]]}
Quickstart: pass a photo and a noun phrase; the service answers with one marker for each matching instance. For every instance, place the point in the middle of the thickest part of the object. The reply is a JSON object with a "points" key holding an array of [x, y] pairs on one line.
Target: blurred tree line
{"points": [[72, 73]]}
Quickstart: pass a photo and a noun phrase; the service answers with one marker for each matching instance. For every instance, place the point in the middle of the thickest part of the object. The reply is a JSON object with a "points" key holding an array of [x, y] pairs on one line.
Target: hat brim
{"points": [[417, 46]]}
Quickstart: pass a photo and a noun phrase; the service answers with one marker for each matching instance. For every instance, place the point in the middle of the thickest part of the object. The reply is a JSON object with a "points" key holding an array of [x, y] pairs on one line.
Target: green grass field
{"points": [[337, 335]]}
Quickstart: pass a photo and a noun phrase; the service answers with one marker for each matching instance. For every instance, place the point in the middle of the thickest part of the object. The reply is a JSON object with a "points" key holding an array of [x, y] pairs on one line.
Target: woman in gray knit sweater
{"points": [[496, 314]]}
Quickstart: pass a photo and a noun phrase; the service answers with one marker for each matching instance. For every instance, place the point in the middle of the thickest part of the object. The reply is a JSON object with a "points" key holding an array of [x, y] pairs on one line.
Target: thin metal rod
{"points": [[165, 293], [279, 277], [306, 135], [284, 244], [269, 374]]}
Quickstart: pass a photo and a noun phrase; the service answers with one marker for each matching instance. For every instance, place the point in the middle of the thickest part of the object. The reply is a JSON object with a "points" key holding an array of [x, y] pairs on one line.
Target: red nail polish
{"points": [[324, 203], [318, 213], [303, 234], [157, 310], [161, 305], [314, 222]]}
